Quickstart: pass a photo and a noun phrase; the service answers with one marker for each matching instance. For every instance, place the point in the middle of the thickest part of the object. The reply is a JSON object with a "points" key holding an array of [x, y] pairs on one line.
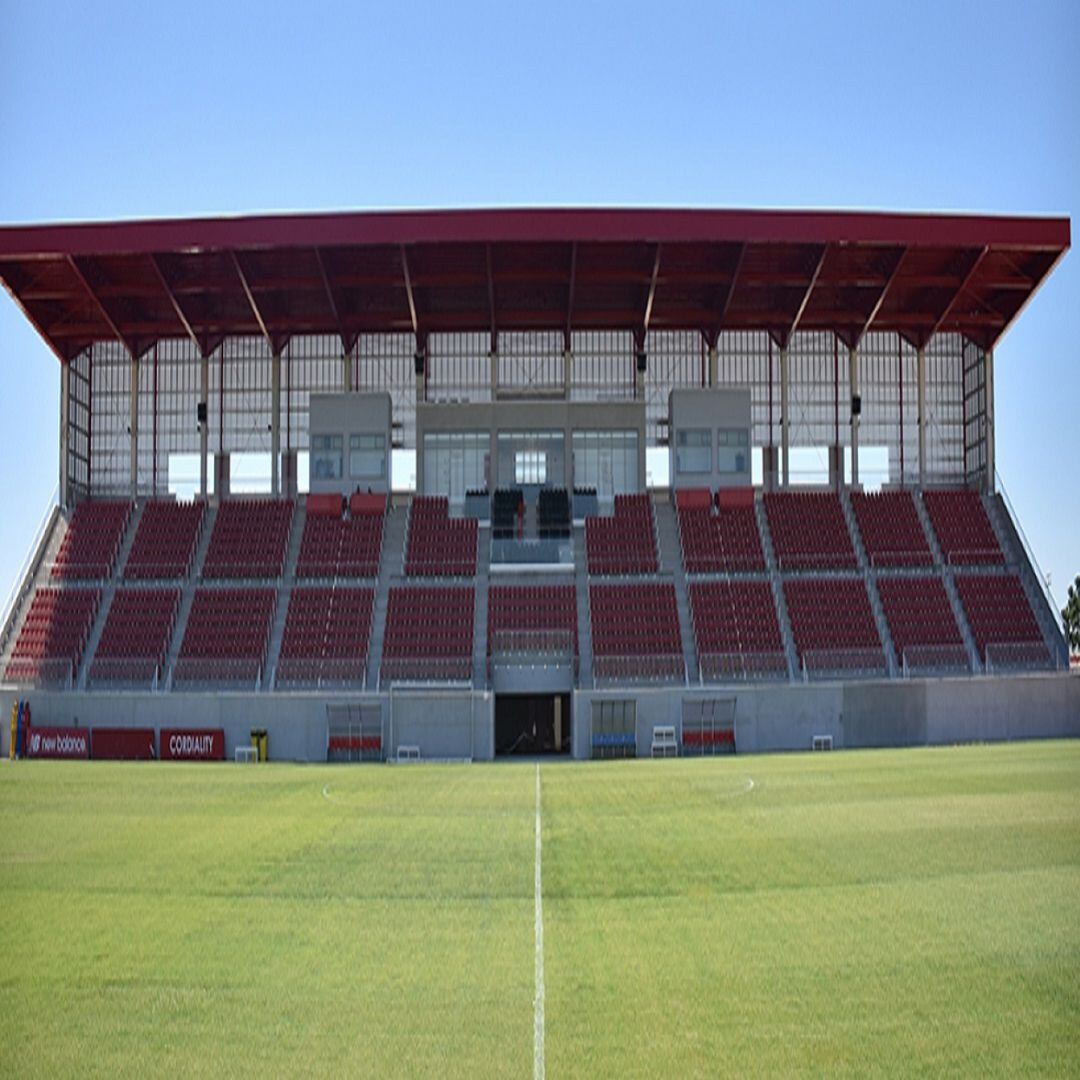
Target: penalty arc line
{"points": [[538, 927]]}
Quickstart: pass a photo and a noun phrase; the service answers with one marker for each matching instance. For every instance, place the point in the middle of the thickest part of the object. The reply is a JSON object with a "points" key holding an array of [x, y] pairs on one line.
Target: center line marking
{"points": [[538, 995]]}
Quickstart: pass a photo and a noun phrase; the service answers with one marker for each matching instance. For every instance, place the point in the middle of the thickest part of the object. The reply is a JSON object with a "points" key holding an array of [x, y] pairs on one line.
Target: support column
{"points": [[785, 428], [65, 404], [420, 370], [853, 374], [133, 427], [921, 376], [493, 366], [567, 372], [347, 371], [275, 425], [714, 366], [204, 424], [641, 364], [991, 471]]}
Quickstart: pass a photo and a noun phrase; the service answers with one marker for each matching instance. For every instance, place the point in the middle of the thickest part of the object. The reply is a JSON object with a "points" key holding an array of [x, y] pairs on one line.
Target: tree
{"points": [[1070, 616]]}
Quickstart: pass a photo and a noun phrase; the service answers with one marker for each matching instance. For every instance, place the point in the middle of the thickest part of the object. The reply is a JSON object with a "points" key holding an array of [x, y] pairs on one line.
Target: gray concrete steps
{"points": [[966, 635], [187, 596], [284, 593], [853, 530], [670, 551], [882, 623], [928, 528], [766, 536], [391, 562], [784, 619]]}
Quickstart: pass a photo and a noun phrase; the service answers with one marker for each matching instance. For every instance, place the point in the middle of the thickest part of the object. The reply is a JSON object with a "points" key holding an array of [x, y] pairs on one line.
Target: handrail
{"points": [[1041, 577], [31, 557]]}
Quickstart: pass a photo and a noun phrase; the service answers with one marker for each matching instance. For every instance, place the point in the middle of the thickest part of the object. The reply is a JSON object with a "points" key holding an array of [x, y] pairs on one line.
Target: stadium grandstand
{"points": [[466, 484]]}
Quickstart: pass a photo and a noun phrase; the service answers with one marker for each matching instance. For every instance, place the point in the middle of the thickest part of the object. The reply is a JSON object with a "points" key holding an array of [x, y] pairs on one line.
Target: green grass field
{"points": [[896, 911]]}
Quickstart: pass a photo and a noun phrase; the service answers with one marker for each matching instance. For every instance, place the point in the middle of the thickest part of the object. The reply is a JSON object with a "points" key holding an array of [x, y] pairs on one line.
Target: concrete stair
{"points": [[853, 529], [882, 624], [974, 659], [37, 574], [784, 619], [391, 562], [187, 596], [670, 550], [281, 608], [581, 583]]}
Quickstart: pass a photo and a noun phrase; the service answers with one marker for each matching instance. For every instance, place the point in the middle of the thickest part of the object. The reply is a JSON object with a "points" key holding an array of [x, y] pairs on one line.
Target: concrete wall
{"points": [[710, 409], [461, 723], [345, 415]]}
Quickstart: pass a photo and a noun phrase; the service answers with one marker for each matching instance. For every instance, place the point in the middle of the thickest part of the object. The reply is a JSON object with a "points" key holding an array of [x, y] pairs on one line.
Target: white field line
{"points": [[538, 995]]}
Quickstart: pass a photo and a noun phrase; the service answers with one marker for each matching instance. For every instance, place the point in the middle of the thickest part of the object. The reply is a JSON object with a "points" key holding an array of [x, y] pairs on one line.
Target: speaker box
{"points": [[856, 404], [200, 413], [418, 363], [642, 360]]}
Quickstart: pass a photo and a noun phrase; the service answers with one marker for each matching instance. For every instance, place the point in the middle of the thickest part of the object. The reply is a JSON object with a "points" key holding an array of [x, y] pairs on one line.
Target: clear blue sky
{"points": [[142, 109]]}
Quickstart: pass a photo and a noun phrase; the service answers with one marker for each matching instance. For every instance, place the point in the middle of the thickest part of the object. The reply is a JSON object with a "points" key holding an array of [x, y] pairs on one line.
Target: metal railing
{"points": [[128, 671], [845, 663], [33, 556], [319, 672], [452, 669], [1019, 656], [935, 659], [742, 666], [654, 668], [211, 671], [54, 673], [530, 643]]}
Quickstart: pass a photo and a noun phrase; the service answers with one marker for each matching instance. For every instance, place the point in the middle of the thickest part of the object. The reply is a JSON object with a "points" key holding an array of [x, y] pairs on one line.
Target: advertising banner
{"points": [[122, 744], [58, 742], [192, 744]]}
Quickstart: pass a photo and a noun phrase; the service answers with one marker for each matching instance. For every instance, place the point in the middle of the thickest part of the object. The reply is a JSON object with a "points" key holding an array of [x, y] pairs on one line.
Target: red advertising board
{"points": [[122, 744], [58, 742], [192, 744]]}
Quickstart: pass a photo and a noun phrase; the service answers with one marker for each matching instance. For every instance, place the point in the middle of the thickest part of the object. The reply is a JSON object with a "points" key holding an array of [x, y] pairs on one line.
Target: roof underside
{"points": [[497, 270]]}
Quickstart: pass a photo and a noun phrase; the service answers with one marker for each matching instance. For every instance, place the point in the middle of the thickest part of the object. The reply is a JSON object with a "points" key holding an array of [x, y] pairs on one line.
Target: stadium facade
{"points": [[473, 483]]}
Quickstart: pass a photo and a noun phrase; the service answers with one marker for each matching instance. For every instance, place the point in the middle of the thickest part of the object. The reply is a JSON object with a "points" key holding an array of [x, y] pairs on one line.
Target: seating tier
{"points": [[809, 531], [635, 631], [135, 638], [438, 545], [727, 541], [736, 628], [998, 612], [891, 531], [962, 527], [336, 547], [54, 634], [92, 541], [624, 543], [165, 541], [250, 539], [326, 635], [532, 619], [833, 623], [921, 621], [429, 633], [227, 634]]}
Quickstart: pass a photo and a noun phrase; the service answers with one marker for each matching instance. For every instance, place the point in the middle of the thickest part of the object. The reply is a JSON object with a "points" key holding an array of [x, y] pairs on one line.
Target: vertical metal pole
{"points": [[853, 360], [493, 365], [567, 372], [714, 366], [988, 384], [347, 371], [65, 432], [133, 424], [921, 377], [204, 428], [275, 424], [900, 369], [785, 425]]}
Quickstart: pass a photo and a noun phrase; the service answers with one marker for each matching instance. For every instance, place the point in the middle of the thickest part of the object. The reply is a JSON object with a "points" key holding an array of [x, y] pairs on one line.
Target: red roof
{"points": [[556, 269]]}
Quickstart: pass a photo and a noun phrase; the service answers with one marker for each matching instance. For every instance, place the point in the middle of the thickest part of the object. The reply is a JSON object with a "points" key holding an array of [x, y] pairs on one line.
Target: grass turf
{"points": [[896, 911]]}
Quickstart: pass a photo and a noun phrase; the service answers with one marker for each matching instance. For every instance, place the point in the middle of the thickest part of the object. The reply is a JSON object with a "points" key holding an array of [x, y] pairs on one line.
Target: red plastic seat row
{"points": [[335, 547], [525, 618], [891, 531], [54, 633], [997, 611], [165, 540], [429, 633], [919, 616], [832, 615], [92, 541], [250, 539], [135, 638], [635, 620], [724, 542], [624, 543], [809, 531], [735, 618], [438, 545], [963, 528]]}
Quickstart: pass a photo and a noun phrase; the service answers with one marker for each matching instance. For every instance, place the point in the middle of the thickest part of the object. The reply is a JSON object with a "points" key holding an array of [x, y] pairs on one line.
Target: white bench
{"points": [[821, 742], [408, 753], [664, 743], [247, 755]]}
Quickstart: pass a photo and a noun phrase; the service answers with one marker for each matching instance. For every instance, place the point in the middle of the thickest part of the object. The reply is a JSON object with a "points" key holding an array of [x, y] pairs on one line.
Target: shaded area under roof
{"points": [[344, 274]]}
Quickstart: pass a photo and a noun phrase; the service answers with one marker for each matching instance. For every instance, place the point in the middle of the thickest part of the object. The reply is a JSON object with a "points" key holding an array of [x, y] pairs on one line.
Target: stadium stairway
{"points": [[108, 592], [482, 583], [777, 587], [187, 596], [391, 565], [928, 529], [37, 574], [288, 582], [670, 550], [1016, 556], [584, 621], [853, 529], [882, 623]]}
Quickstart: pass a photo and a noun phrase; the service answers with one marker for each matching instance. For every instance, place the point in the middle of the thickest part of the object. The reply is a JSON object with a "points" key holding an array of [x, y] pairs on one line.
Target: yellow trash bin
{"points": [[261, 742]]}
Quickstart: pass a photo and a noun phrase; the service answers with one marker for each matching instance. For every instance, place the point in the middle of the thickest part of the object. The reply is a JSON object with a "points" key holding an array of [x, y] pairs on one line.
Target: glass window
{"points": [[455, 462], [326, 457], [693, 450], [607, 461], [367, 457], [530, 467], [732, 450]]}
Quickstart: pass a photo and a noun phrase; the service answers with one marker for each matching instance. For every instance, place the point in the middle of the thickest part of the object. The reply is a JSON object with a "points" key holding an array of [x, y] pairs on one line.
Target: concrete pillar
{"points": [[770, 471], [853, 360], [222, 475], [420, 369], [493, 365], [836, 467], [347, 371], [714, 366], [65, 404], [641, 363], [921, 376], [567, 372], [991, 469], [204, 427], [785, 427], [133, 427], [289, 488], [275, 424]]}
